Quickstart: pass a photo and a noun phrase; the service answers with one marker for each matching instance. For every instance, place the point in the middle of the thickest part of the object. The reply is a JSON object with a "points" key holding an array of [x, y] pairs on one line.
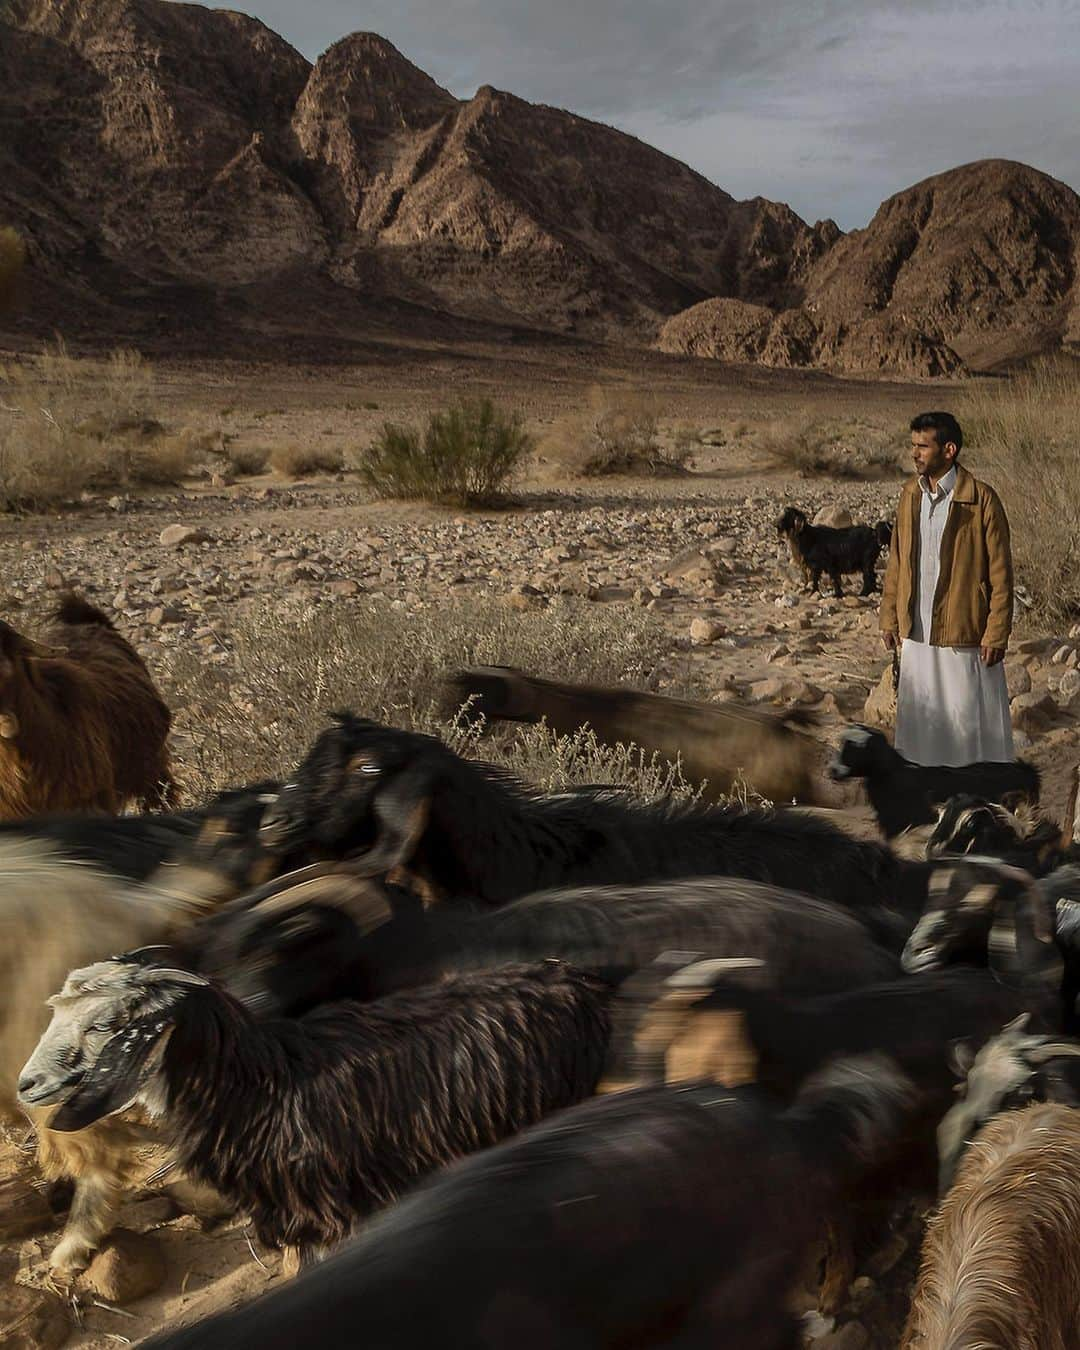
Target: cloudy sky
{"points": [[830, 105]]}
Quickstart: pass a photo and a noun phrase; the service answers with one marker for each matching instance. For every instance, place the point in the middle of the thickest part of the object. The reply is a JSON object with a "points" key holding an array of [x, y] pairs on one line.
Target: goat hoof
{"points": [[69, 1259]]}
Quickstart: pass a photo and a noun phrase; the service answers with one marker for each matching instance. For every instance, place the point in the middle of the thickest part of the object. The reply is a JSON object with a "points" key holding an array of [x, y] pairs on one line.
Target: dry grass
{"points": [[12, 261], [1020, 434], [816, 448], [620, 433], [300, 461], [466, 456], [289, 666], [245, 461], [69, 425]]}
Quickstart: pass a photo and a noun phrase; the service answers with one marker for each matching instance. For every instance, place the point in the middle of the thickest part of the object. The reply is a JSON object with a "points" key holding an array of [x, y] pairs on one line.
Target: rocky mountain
{"points": [[973, 268], [178, 170]]}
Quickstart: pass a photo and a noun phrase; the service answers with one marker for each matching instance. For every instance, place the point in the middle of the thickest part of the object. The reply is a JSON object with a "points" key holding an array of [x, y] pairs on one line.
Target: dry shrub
{"points": [[68, 425], [466, 456], [245, 461], [853, 450], [298, 461], [620, 433], [290, 664], [1020, 434], [12, 261]]}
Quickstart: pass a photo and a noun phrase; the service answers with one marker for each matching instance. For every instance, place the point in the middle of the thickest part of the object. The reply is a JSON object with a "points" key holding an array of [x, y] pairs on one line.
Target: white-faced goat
{"points": [[653, 1218], [396, 801], [311, 1125], [1001, 1260], [967, 824], [904, 794]]}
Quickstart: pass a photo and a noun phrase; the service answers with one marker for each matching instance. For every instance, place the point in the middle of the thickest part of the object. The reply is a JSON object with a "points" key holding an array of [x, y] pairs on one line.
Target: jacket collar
{"points": [[964, 491]]}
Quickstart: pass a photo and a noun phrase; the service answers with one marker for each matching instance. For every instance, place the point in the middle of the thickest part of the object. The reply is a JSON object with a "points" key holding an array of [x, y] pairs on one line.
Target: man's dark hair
{"points": [[944, 426]]}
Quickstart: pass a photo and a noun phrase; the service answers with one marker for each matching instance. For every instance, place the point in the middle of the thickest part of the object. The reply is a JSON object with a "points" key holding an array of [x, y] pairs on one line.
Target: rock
{"points": [[345, 586], [175, 536], [880, 707], [55, 579], [1069, 686], [527, 597], [1036, 646], [31, 1319], [161, 615], [1017, 679], [1061, 655], [130, 1266], [23, 1210], [835, 517], [1032, 712], [703, 631], [786, 601], [777, 652], [781, 689]]}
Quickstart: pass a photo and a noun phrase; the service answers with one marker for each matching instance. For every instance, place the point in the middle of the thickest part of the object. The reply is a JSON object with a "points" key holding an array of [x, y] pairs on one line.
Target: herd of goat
{"points": [[534, 1069]]}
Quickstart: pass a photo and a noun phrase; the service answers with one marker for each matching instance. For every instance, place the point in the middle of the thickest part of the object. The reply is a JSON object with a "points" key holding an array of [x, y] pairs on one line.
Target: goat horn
{"points": [[700, 974], [9, 726], [1038, 1054]]}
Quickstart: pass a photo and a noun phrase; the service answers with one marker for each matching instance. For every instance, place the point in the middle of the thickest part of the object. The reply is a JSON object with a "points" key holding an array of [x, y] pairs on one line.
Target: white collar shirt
{"points": [[934, 506]]}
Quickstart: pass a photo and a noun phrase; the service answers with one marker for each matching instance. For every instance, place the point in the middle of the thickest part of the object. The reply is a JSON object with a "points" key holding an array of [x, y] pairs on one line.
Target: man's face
{"points": [[931, 459]]}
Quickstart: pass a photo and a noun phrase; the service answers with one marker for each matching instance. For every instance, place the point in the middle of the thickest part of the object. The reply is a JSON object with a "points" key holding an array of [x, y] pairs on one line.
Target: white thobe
{"points": [[950, 708]]}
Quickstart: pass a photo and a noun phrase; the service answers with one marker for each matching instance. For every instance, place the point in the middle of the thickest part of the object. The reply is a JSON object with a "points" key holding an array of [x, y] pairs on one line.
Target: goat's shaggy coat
{"points": [[904, 794], [1001, 1260], [83, 728], [1021, 838], [647, 1219], [715, 743], [131, 847], [312, 1125], [819, 549], [388, 799], [342, 937]]}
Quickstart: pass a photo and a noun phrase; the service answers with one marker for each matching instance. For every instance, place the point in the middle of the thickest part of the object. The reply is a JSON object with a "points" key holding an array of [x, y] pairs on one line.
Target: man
{"points": [[947, 603]]}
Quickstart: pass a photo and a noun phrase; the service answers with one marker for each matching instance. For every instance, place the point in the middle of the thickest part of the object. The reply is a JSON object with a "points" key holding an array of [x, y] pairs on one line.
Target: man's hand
{"points": [[889, 641], [991, 656]]}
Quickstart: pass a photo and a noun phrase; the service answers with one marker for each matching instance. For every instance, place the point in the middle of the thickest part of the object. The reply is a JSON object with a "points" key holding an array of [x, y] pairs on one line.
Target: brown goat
{"points": [[714, 742], [82, 726], [1001, 1259]]}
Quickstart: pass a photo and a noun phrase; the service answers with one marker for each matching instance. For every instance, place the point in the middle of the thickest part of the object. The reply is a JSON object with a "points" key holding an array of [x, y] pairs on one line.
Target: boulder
{"points": [[880, 707], [1032, 712], [130, 1266], [175, 536], [703, 631], [1017, 679], [835, 517]]}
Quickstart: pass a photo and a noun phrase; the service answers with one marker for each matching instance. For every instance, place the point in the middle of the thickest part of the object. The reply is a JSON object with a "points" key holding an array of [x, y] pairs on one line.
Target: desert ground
{"points": [[690, 565]]}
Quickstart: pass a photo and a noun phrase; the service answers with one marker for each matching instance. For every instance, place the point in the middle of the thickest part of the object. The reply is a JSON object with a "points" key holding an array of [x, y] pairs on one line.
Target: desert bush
{"points": [[290, 664], [1020, 434], [466, 456], [247, 460], [297, 461], [12, 261], [68, 425], [853, 450], [620, 433]]}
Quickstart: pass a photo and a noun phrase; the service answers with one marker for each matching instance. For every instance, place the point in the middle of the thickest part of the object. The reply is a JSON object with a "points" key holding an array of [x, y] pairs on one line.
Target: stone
{"points": [[1036, 646], [31, 1319], [55, 579], [703, 631], [175, 536], [880, 707], [1061, 655], [164, 614], [344, 586], [23, 1209], [835, 517], [1069, 686], [130, 1266], [1032, 712], [786, 601], [1017, 679]]}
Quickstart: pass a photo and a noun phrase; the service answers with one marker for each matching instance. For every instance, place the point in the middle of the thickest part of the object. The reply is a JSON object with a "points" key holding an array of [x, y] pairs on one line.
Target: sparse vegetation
{"points": [[620, 433], [245, 461], [69, 425], [257, 714], [466, 456], [1020, 434], [815, 448], [298, 461]]}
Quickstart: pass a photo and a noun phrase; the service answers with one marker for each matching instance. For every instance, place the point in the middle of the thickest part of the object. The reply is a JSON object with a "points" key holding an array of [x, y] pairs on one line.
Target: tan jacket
{"points": [[973, 605]]}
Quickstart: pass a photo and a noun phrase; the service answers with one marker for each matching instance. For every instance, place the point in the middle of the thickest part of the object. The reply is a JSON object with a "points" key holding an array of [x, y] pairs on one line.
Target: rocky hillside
{"points": [[183, 174], [972, 268]]}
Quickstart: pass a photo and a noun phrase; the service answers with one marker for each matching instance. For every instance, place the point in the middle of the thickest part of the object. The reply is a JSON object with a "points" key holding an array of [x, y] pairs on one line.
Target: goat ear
{"points": [[114, 1081], [960, 1056]]}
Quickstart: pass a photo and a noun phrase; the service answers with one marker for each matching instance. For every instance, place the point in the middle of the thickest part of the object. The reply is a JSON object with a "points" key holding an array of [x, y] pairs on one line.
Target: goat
{"points": [[293, 946], [388, 799], [883, 529], [1014, 1069], [969, 824], [127, 847], [714, 743], [999, 1262], [818, 549], [82, 726], [904, 794], [312, 1125], [688, 1030], [56, 914], [651, 1218]]}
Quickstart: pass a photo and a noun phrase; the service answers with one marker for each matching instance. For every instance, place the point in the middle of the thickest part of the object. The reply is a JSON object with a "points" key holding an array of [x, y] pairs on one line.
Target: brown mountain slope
{"points": [[976, 267], [174, 145]]}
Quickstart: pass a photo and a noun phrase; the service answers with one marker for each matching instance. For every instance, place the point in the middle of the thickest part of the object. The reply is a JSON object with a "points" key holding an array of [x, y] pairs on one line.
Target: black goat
{"points": [[1011, 1071], [131, 847], [905, 794], [654, 1218], [312, 1125], [820, 548], [340, 937], [969, 824], [396, 802], [883, 529]]}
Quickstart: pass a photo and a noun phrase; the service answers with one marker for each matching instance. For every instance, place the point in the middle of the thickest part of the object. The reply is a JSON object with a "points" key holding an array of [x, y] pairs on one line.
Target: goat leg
{"points": [[839, 1266], [93, 1209], [838, 586]]}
